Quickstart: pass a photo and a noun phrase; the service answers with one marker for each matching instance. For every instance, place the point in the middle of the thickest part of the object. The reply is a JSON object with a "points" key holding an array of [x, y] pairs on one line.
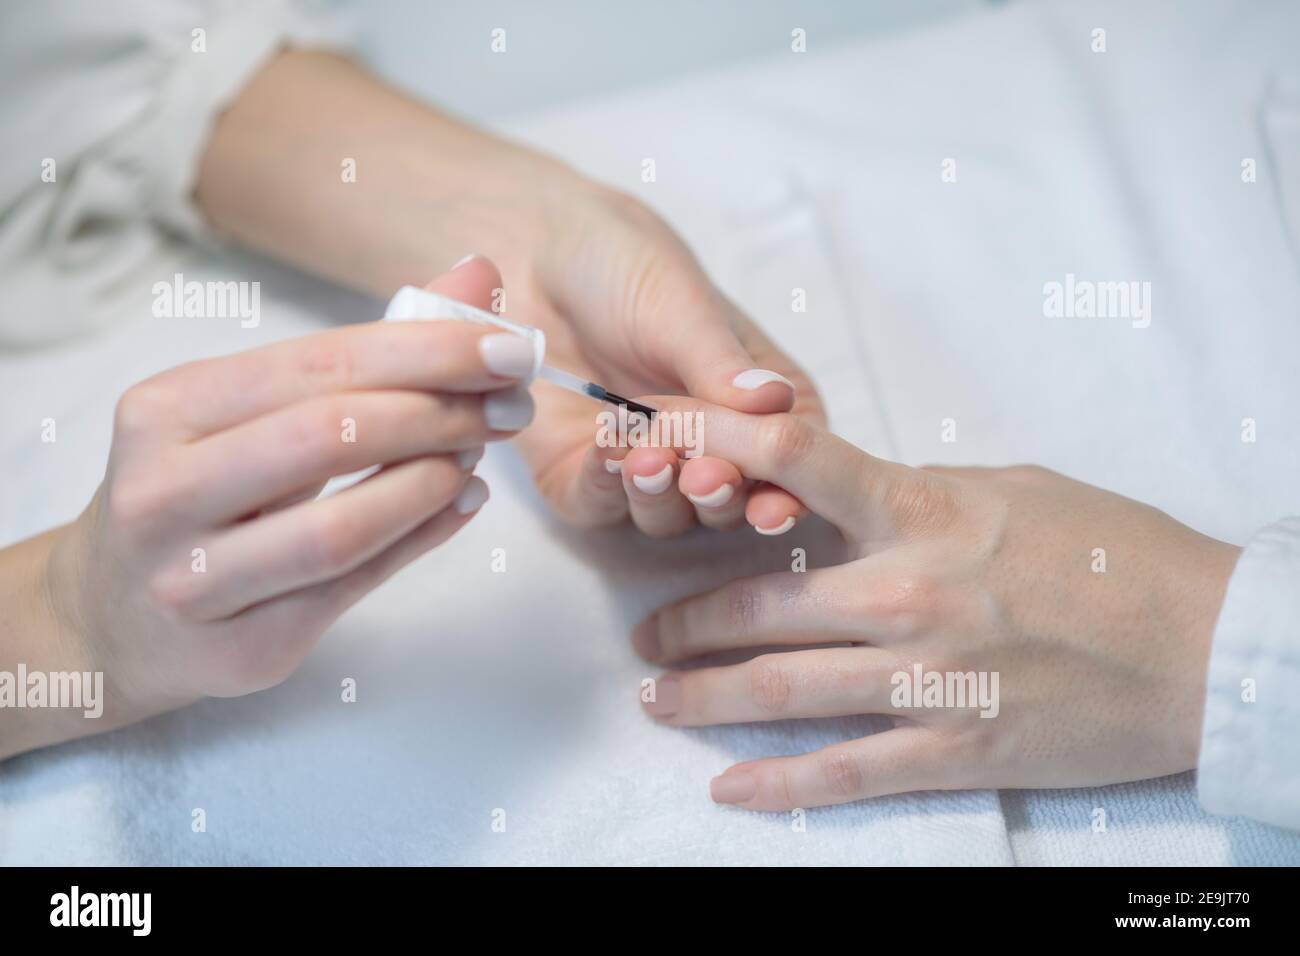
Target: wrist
{"points": [[51, 692]]}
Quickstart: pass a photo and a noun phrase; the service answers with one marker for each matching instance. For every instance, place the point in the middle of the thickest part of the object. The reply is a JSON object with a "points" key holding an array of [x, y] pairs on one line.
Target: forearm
{"points": [[35, 643], [427, 189]]}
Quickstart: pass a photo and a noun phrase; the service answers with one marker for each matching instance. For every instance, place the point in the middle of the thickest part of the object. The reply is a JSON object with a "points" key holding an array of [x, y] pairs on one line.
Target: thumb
{"points": [[712, 361], [474, 280]]}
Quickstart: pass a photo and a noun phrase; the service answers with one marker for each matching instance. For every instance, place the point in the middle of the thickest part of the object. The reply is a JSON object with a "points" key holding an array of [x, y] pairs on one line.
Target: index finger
{"points": [[834, 478], [211, 395]]}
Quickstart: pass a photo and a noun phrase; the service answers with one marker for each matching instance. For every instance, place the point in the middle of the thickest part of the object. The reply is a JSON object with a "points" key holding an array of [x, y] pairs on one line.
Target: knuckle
{"points": [[786, 440], [923, 505], [769, 684], [1027, 474], [143, 406], [744, 607], [904, 603], [316, 434], [175, 594], [325, 362], [842, 773], [331, 542]]}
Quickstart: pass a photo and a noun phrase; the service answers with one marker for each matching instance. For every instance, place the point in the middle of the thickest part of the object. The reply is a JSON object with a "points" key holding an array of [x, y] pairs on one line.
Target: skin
{"points": [[621, 298], [235, 470], [1102, 675]]}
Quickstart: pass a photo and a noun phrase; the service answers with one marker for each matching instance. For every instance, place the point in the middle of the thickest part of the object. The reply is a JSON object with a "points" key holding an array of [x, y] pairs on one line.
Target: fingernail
{"points": [[655, 484], [472, 496], [613, 467], [468, 458], [509, 410], [782, 528], [507, 354], [714, 499], [668, 698], [736, 786], [753, 378], [469, 258], [645, 639]]}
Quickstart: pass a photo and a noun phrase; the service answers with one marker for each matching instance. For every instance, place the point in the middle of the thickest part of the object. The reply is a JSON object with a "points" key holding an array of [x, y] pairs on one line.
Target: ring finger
{"points": [[830, 682]]}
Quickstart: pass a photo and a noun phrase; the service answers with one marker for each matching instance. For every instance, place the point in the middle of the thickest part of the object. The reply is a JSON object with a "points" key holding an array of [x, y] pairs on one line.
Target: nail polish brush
{"points": [[411, 303]]}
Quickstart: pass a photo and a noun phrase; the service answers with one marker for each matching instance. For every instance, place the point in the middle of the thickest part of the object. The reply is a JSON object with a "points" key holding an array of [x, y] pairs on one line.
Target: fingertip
{"points": [[773, 511], [650, 470], [645, 639], [473, 280], [736, 785], [709, 482], [472, 496]]}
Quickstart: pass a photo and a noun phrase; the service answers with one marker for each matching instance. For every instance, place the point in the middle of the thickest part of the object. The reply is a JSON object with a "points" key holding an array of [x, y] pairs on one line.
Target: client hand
{"points": [[1094, 612]]}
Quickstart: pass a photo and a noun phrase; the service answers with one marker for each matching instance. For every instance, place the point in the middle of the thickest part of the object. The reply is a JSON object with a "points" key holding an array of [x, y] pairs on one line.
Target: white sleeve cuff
{"points": [[1250, 741], [168, 146]]}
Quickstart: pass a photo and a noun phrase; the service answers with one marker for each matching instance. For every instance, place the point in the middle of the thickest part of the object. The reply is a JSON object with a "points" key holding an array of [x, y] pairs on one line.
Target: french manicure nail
{"points": [[755, 378], [509, 410], [468, 458], [472, 496], [507, 354], [469, 258], [655, 484], [614, 467], [736, 786], [782, 528], [714, 499], [668, 698]]}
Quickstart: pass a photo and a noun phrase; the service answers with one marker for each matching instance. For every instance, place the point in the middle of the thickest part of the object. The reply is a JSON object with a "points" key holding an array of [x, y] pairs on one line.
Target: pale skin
{"points": [[1102, 676], [205, 565], [1102, 673], [620, 296]]}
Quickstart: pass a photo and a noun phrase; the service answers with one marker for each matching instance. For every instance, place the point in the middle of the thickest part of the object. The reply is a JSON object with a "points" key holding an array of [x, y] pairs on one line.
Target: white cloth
{"points": [[924, 303], [112, 103], [1250, 745]]}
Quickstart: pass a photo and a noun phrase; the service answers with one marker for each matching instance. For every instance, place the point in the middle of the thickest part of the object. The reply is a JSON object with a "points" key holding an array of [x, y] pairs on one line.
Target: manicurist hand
{"points": [[621, 298], [205, 565], [625, 304], [1094, 611]]}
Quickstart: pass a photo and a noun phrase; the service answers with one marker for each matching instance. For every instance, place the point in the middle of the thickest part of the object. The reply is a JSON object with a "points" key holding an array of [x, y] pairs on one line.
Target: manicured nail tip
{"points": [[645, 639], [733, 787], [509, 410], [782, 528], [468, 458], [756, 378], [469, 258], [668, 698], [614, 467], [471, 497], [507, 354], [654, 484], [714, 499]]}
